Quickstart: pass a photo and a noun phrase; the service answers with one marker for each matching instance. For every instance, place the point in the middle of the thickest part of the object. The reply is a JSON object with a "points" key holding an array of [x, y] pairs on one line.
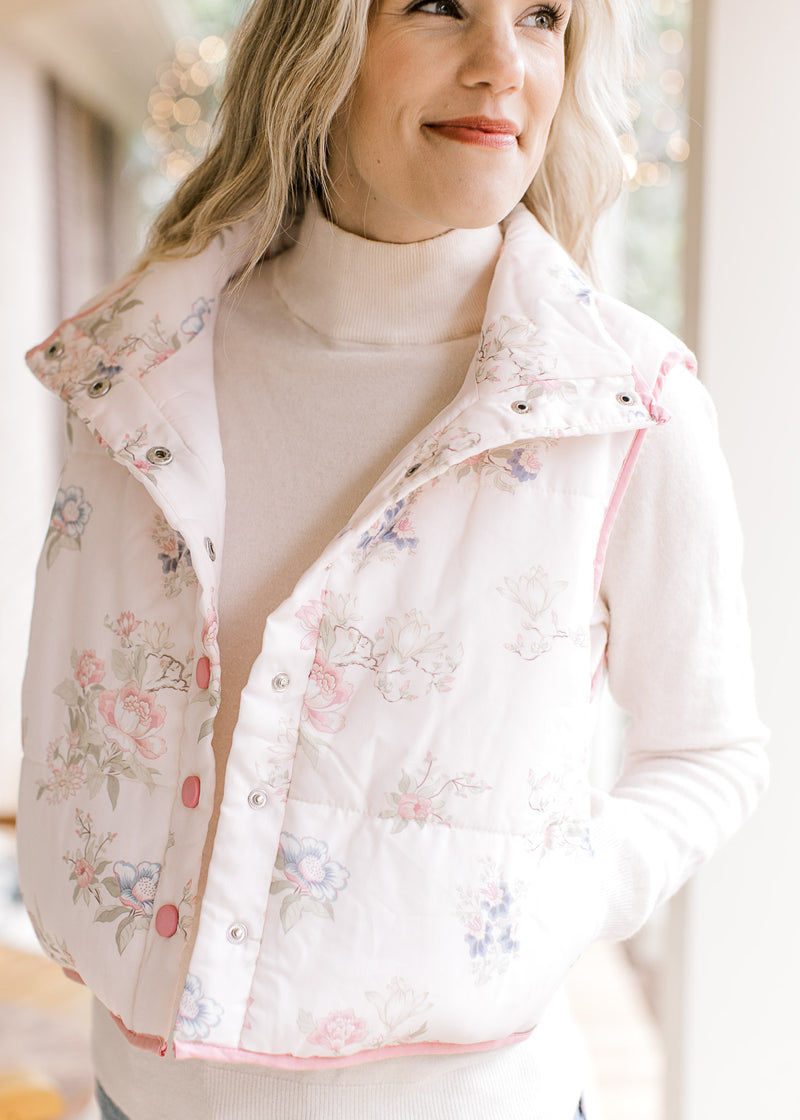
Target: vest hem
{"points": [[210, 1052]]}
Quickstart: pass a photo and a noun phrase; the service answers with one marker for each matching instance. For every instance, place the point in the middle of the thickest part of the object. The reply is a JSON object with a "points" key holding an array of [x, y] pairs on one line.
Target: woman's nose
{"points": [[493, 57]]}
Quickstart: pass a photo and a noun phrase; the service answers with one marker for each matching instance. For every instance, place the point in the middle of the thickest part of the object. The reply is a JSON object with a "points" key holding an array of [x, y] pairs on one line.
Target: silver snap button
{"points": [[521, 406], [413, 469], [257, 799], [625, 398], [237, 933], [159, 456], [99, 388], [280, 682], [212, 552], [54, 350]]}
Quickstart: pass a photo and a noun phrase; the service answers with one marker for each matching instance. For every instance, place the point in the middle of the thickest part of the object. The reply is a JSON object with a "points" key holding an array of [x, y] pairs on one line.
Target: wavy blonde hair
{"points": [[292, 66]]}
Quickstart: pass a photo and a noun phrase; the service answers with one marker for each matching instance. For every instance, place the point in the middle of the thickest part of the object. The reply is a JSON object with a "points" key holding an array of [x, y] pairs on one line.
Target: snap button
{"points": [[281, 682], [413, 469], [190, 793], [99, 388], [159, 456], [54, 350], [167, 921], [257, 799], [625, 398], [212, 552], [237, 933], [202, 673], [521, 406]]}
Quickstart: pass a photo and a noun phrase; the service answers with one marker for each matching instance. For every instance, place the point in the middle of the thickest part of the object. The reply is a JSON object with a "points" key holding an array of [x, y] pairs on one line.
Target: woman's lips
{"points": [[482, 131]]}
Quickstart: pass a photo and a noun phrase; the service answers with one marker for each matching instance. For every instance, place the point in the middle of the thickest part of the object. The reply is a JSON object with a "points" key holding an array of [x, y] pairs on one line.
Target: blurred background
{"points": [[103, 108]]}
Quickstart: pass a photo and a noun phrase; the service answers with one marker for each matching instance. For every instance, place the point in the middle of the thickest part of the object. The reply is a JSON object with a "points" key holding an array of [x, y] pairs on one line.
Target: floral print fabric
{"points": [[408, 876]]}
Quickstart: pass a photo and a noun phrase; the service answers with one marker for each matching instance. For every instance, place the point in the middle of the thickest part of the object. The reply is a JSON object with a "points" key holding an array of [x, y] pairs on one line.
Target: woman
{"points": [[403, 856]]}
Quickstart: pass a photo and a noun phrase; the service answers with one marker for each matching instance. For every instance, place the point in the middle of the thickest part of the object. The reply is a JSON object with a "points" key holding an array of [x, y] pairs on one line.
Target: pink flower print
{"points": [[125, 624], [413, 808], [132, 717], [137, 885], [65, 782], [84, 872], [327, 691], [159, 358], [310, 618], [210, 636], [306, 864], [89, 670], [403, 529], [340, 1029]]}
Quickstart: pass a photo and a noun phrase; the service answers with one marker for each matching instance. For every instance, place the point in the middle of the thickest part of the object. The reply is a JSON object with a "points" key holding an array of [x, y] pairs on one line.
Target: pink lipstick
{"points": [[482, 131]]}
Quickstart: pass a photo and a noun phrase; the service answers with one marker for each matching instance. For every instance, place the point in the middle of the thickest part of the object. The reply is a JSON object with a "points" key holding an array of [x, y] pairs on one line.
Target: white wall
{"points": [[30, 449], [734, 1055]]}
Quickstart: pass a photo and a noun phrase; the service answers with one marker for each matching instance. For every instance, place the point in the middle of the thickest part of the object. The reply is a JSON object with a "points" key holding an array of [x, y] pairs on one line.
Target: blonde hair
{"points": [[292, 66]]}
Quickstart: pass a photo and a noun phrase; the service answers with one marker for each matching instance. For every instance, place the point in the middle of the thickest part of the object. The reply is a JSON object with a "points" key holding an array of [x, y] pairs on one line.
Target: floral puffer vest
{"points": [[405, 858]]}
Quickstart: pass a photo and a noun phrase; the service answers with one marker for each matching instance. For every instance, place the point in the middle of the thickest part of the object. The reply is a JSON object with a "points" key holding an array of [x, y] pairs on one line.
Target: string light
{"points": [[672, 82], [182, 105], [678, 148], [671, 41], [654, 158]]}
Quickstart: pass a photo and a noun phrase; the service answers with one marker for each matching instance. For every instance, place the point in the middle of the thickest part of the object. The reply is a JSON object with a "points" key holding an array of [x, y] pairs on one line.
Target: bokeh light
{"points": [[655, 156], [182, 106]]}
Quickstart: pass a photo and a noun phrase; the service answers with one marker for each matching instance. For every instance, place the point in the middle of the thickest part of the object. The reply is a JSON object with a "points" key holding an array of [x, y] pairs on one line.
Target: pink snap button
{"points": [[202, 673], [167, 921], [190, 793]]}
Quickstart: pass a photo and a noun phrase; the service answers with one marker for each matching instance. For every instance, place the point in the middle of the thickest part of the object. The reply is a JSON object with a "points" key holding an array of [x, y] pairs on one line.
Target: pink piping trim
{"points": [[81, 314], [149, 1042], [288, 1061], [620, 487], [660, 415], [598, 676]]}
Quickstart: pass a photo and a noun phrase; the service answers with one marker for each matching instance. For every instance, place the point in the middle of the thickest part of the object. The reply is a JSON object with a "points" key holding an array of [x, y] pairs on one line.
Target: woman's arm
{"points": [[678, 658]]}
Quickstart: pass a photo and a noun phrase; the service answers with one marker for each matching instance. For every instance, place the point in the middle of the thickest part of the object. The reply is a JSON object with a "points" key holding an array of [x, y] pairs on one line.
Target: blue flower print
{"points": [[393, 533], [197, 1014], [498, 908], [479, 944], [507, 942], [490, 914], [306, 864], [71, 512], [171, 561], [524, 464], [68, 521], [194, 323], [174, 556], [107, 371], [137, 885]]}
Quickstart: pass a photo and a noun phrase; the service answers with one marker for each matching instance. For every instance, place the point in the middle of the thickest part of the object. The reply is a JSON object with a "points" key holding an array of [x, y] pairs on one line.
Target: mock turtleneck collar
{"points": [[350, 288]]}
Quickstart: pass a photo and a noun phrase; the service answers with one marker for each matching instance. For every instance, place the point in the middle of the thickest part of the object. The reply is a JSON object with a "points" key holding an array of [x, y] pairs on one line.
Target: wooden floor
{"points": [[44, 1027], [44, 1030]]}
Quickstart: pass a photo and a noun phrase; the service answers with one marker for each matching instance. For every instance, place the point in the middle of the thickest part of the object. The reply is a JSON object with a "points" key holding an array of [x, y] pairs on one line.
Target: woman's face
{"points": [[449, 116]]}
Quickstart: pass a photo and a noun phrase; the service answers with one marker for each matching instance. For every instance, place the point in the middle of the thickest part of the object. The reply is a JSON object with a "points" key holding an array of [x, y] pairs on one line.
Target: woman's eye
{"points": [[437, 7], [544, 19]]}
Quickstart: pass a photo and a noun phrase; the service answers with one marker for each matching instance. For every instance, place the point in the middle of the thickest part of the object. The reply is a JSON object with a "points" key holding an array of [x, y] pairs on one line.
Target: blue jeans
{"points": [[109, 1111]]}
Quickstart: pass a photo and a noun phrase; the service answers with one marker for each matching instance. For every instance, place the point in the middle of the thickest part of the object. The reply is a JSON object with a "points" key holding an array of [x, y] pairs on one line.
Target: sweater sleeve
{"points": [[678, 658]]}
